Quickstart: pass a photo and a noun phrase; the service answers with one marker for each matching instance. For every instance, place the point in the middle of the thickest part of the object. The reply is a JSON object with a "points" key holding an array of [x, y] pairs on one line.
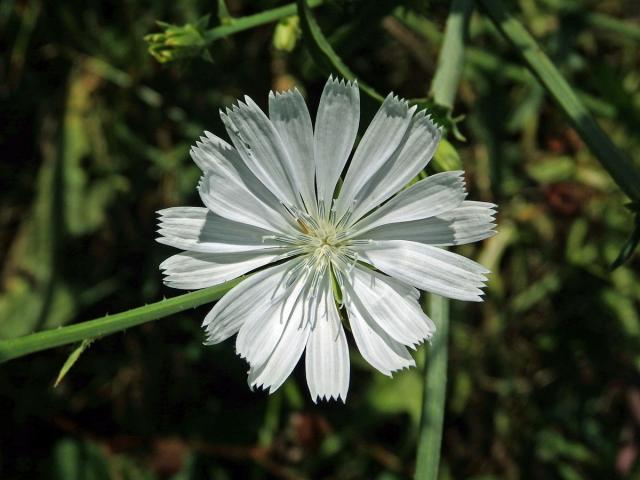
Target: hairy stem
{"points": [[36, 342], [251, 21]]}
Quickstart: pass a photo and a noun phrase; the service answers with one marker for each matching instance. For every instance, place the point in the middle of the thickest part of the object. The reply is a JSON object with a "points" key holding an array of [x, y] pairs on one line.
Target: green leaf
{"points": [[323, 52], [72, 359], [451, 59], [75, 460], [552, 445], [553, 169], [400, 394], [629, 247], [536, 293], [623, 307], [446, 157], [624, 29]]}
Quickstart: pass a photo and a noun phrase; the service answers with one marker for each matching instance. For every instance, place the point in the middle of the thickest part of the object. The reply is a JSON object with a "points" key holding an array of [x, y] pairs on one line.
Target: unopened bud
{"points": [[287, 33]]}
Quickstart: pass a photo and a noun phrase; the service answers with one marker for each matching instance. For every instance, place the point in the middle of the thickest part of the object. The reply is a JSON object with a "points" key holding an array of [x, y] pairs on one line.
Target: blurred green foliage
{"points": [[544, 376]]}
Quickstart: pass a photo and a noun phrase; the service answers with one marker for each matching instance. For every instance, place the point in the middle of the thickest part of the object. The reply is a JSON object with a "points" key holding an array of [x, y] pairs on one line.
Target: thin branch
{"points": [[36, 342]]}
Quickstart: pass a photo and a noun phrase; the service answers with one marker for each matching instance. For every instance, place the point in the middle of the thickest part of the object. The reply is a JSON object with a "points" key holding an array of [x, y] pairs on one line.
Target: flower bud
{"points": [[287, 33]]}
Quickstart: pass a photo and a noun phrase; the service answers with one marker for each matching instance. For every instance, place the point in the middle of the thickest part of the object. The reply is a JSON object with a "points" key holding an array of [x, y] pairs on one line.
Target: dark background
{"points": [[94, 135]]}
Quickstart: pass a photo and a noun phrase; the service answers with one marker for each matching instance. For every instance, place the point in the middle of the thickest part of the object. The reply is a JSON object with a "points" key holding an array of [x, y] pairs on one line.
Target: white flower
{"points": [[270, 200]]}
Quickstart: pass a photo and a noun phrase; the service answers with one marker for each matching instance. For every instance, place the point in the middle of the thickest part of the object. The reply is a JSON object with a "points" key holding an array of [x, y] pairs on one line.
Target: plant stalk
{"points": [[444, 89], [240, 24], [434, 392], [36, 342]]}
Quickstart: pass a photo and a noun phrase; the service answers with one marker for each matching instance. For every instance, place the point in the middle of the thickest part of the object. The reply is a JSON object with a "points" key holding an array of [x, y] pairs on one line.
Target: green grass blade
{"points": [[36, 342], [624, 173], [630, 246], [490, 62], [450, 61], [323, 52], [621, 28]]}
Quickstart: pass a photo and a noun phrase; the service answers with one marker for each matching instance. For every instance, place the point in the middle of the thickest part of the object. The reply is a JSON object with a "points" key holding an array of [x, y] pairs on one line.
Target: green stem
{"points": [[18, 347], [323, 52], [490, 62], [434, 393], [624, 173], [444, 89], [252, 21]]}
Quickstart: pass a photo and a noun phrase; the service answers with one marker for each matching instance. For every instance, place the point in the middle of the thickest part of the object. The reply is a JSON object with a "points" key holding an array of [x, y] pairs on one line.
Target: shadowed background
{"points": [[94, 132]]}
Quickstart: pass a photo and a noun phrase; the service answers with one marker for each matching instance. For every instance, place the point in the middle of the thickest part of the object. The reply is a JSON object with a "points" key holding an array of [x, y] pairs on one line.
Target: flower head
{"points": [[323, 258]]}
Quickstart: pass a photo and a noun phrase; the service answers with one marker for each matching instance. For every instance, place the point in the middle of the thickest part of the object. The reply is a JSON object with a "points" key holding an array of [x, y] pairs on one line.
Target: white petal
{"points": [[383, 136], [263, 329], [193, 270], [283, 337], [327, 355], [251, 297], [392, 305], [335, 132], [290, 117], [213, 151], [427, 268], [375, 345], [233, 192], [430, 197], [470, 222], [273, 373], [412, 156], [261, 149], [200, 230]]}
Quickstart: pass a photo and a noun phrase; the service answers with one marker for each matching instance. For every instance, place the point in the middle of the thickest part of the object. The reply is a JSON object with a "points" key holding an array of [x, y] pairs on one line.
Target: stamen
{"points": [[289, 210], [303, 226], [294, 273], [309, 220], [354, 260], [366, 241], [347, 215], [341, 285], [341, 236]]}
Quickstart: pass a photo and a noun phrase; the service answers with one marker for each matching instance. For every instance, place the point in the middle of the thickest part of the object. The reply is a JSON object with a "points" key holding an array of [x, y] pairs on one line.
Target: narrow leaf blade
{"points": [[72, 359]]}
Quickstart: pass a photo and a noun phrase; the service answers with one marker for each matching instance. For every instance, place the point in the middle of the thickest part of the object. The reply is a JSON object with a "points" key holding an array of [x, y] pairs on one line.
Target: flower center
{"points": [[323, 243], [325, 235], [322, 240]]}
